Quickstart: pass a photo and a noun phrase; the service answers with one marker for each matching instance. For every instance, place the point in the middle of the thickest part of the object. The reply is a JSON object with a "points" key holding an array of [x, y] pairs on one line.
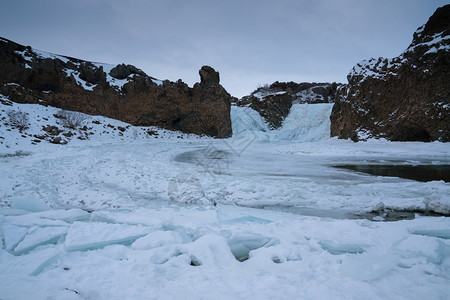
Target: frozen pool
{"points": [[334, 186]]}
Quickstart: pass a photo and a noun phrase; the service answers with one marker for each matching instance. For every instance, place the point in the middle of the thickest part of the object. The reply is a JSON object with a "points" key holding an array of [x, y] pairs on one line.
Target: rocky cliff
{"points": [[273, 102], [406, 98], [122, 92]]}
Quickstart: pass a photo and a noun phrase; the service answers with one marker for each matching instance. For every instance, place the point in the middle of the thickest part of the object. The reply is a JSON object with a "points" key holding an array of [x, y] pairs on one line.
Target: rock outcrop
{"points": [[406, 98], [122, 92], [208, 75], [273, 102]]}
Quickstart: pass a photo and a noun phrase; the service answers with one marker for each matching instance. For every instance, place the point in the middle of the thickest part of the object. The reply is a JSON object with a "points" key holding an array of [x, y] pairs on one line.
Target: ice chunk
{"points": [[44, 265], [47, 258], [369, 267], [242, 244], [29, 203], [12, 211], [70, 215], [86, 236], [142, 216], [336, 248], [157, 239], [247, 219], [277, 254], [210, 249], [12, 235], [38, 237], [229, 214], [433, 249], [439, 233], [33, 219], [165, 254]]}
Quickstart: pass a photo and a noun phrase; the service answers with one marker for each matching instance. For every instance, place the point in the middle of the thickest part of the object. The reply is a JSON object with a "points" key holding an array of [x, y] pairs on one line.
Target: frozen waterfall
{"points": [[304, 123]]}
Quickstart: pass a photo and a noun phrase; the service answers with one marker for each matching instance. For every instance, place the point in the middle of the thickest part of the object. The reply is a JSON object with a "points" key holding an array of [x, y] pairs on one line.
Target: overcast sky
{"points": [[249, 42]]}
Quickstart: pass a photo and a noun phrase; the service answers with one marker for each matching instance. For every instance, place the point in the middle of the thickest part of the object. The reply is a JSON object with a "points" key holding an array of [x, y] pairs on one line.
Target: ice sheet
{"points": [[86, 236], [40, 236]]}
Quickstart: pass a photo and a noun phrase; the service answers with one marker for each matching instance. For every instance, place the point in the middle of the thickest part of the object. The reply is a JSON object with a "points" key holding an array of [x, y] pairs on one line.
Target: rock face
{"points": [[208, 75], [122, 92], [406, 98], [274, 102]]}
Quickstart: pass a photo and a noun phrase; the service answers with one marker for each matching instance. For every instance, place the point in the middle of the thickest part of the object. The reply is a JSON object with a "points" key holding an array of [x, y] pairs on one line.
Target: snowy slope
{"points": [[94, 129]]}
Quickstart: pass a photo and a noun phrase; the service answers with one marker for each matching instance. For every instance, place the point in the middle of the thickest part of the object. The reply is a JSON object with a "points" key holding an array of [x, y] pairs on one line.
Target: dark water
{"points": [[422, 173]]}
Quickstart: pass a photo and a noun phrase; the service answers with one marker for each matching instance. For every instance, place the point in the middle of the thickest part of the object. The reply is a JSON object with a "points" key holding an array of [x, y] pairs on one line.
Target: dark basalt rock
{"points": [[28, 76], [92, 74], [122, 71], [406, 98], [273, 108], [209, 75]]}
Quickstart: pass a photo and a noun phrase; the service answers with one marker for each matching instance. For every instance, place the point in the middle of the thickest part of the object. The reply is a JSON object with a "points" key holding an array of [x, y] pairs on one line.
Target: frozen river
{"points": [[263, 215], [318, 183]]}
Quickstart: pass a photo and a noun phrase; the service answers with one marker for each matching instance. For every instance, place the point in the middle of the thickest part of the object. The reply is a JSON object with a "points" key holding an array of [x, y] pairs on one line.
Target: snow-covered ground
{"points": [[128, 214]]}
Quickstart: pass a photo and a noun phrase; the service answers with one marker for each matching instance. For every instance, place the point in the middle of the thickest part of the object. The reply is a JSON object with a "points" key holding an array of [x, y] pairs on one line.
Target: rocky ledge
{"points": [[122, 92], [273, 102], [406, 98]]}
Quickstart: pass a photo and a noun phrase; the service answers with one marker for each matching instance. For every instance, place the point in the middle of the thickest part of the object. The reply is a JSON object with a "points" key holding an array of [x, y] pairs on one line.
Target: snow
{"points": [[117, 83], [262, 94], [267, 215], [438, 39], [157, 81], [76, 75], [435, 49], [44, 55], [377, 68]]}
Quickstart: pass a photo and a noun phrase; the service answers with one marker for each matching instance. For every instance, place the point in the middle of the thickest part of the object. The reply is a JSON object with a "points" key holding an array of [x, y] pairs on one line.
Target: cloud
{"points": [[249, 42]]}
